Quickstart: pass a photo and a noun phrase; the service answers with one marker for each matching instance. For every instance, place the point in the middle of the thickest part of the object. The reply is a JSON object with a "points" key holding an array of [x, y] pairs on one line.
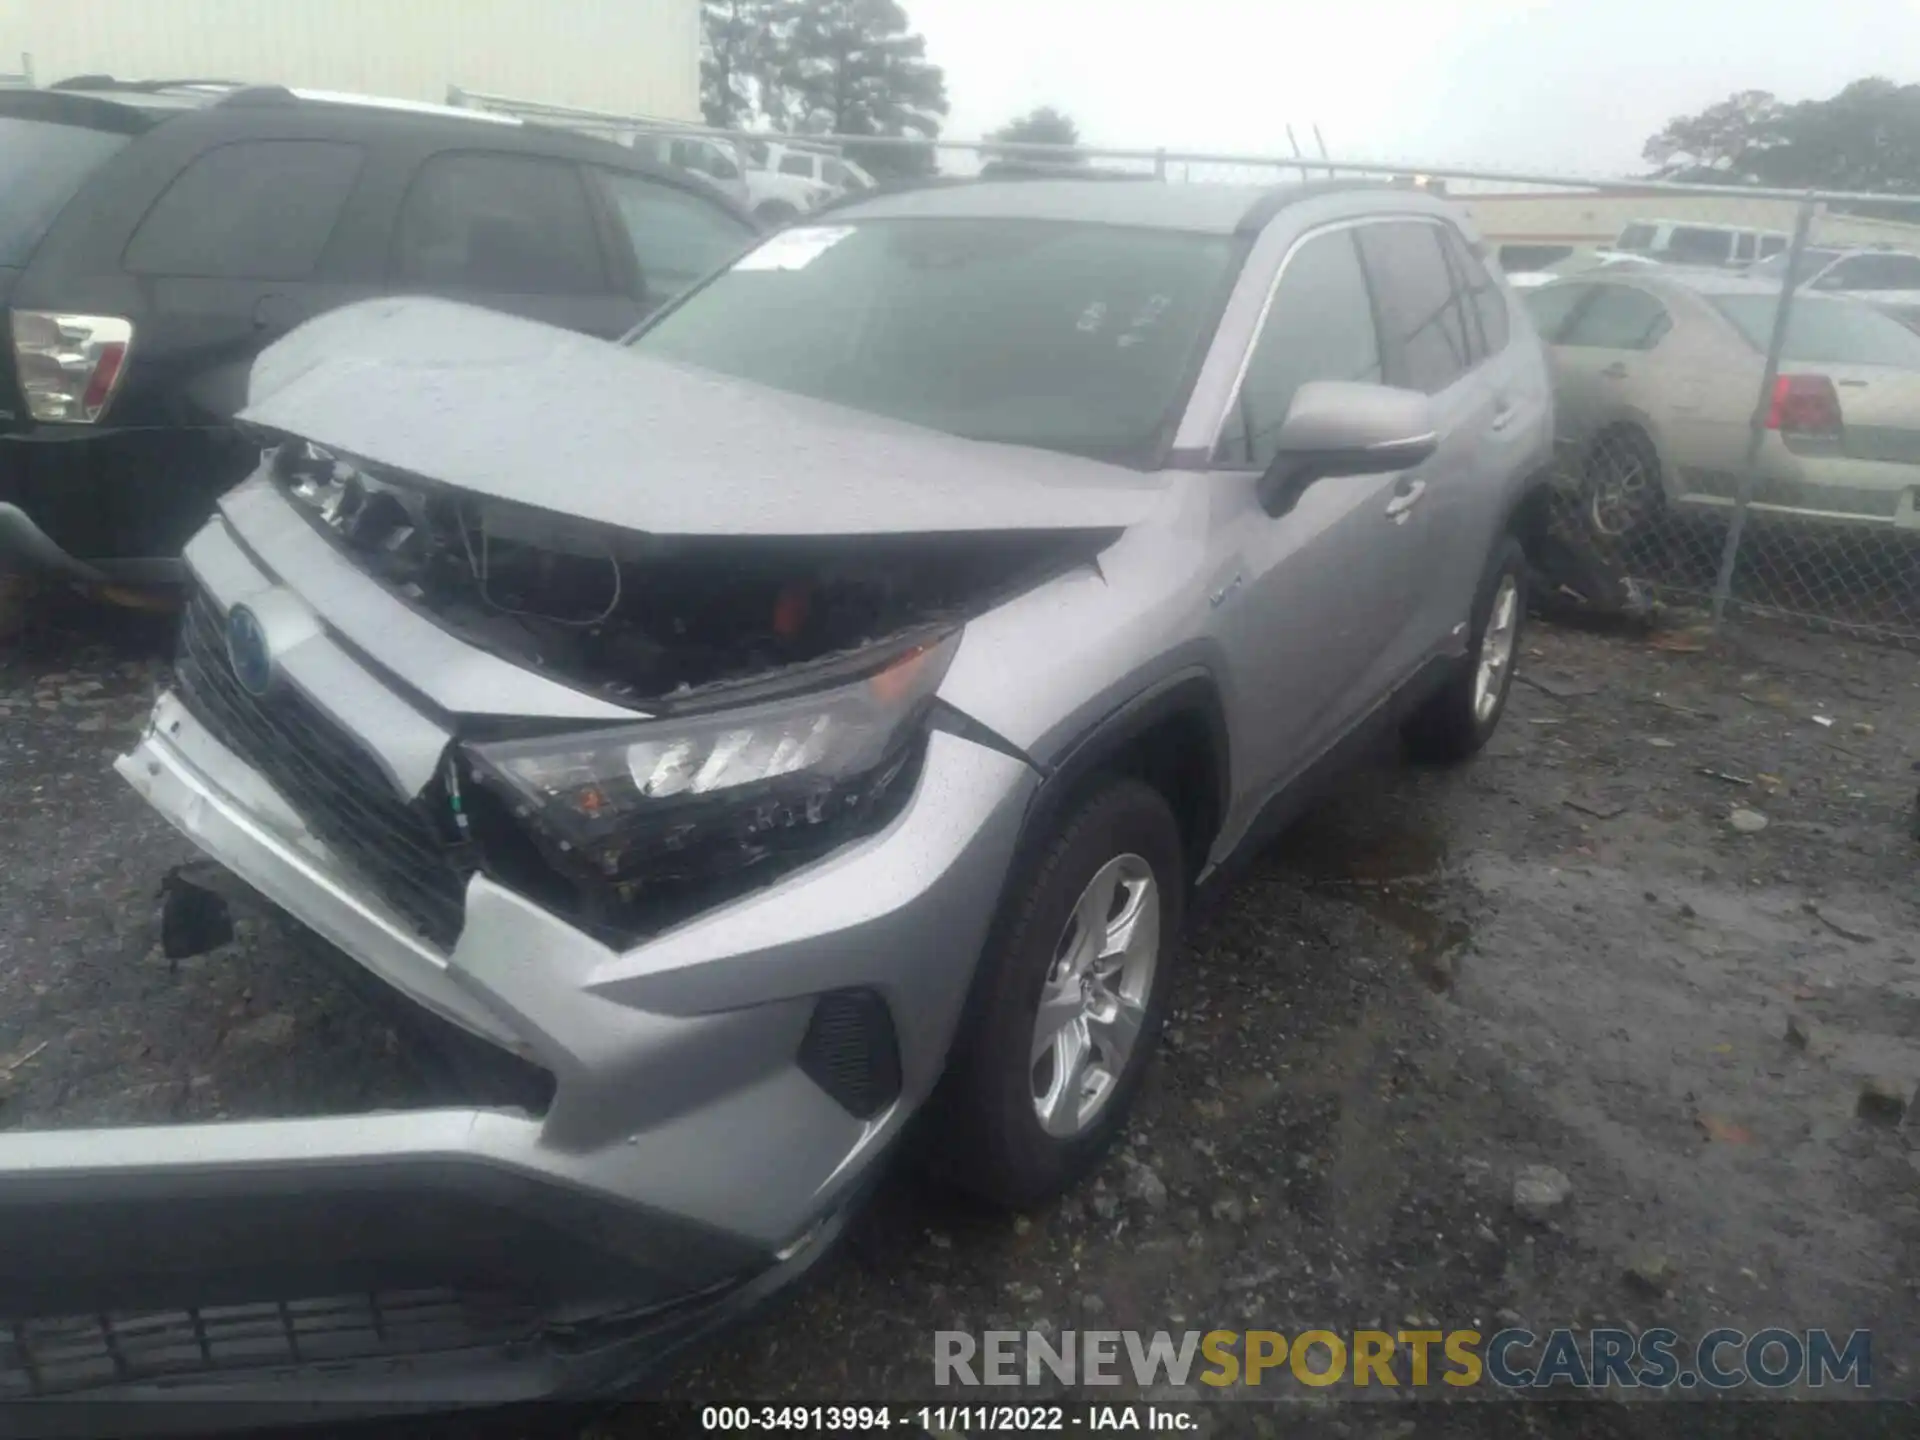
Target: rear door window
{"points": [[251, 210], [1485, 303], [1424, 317], [1320, 326], [1618, 318], [42, 167], [509, 224], [1636, 237], [797, 165], [677, 238]]}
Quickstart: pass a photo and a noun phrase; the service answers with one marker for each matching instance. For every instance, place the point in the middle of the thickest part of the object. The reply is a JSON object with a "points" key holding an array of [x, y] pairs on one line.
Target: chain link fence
{"points": [[1806, 506]]}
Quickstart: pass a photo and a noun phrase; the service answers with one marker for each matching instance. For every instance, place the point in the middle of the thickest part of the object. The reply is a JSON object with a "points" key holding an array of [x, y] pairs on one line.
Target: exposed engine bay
{"points": [[641, 617]]}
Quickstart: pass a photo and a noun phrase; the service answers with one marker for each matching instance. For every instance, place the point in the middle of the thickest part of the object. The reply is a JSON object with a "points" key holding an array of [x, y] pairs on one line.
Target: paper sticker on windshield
{"points": [[794, 249]]}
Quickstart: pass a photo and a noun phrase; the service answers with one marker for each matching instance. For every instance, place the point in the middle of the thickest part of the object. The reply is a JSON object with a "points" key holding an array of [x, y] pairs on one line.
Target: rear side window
{"points": [[1617, 318], [677, 238], [1485, 303], [1772, 245], [1550, 306], [1319, 327], [1424, 317], [510, 224], [797, 165], [1636, 237], [42, 167], [252, 210], [1706, 247]]}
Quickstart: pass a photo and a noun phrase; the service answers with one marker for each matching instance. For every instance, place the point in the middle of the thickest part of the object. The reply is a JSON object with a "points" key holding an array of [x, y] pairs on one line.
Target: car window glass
{"points": [[1636, 237], [1618, 318], [1772, 245], [1319, 327], [1825, 332], [513, 224], [1064, 335], [836, 173], [42, 167], [721, 165], [1420, 311], [796, 165], [252, 210], [1488, 305], [1878, 272], [1690, 243], [1743, 246], [677, 238], [1551, 305]]}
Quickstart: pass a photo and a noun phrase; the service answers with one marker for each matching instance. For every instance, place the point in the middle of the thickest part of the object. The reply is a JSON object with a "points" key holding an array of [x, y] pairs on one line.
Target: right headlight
{"points": [[706, 794]]}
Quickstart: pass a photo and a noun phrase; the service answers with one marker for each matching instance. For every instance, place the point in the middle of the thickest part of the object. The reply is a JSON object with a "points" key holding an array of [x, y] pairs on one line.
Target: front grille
{"points": [[78, 1353], [326, 776]]}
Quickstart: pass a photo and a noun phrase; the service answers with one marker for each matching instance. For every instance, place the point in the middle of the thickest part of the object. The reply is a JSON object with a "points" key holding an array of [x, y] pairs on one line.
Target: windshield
{"points": [[1061, 335], [1811, 259], [1833, 332], [41, 166]]}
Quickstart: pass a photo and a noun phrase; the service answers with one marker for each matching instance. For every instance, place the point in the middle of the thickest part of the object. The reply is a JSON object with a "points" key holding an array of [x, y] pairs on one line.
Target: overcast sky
{"points": [[1574, 85]]}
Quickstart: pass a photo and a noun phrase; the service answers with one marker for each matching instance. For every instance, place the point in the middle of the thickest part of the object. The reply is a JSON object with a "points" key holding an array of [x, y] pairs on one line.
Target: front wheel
{"points": [[1068, 1004], [1462, 716]]}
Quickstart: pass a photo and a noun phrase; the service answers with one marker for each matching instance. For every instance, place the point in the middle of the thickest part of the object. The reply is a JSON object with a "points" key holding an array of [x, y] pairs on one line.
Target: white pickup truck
{"points": [[777, 180]]}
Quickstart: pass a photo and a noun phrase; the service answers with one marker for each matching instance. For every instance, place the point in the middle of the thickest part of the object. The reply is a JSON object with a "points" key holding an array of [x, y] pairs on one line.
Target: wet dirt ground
{"points": [[1569, 953]]}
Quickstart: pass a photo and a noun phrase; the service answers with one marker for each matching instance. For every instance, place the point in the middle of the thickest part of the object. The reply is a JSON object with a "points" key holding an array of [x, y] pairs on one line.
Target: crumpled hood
{"points": [[527, 412]]}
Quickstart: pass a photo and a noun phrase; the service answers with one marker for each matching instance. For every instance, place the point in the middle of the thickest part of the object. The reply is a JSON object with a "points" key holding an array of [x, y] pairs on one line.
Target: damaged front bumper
{"points": [[694, 1156]]}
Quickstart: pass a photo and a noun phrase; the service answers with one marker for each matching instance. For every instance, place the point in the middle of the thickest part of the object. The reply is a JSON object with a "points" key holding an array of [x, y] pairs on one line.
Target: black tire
{"points": [[775, 213], [1621, 492], [983, 1133], [1450, 727]]}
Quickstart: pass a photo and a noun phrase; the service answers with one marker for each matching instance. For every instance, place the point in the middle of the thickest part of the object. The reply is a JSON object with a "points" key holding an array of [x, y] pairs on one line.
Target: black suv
{"points": [[155, 237]]}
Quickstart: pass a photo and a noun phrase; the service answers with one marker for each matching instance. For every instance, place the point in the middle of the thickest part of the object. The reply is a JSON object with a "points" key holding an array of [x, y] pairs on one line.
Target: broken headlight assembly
{"points": [[650, 807]]}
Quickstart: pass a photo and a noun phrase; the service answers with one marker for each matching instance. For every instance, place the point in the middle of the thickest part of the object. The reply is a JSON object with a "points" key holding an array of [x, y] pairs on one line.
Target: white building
{"points": [[633, 57], [1597, 217]]}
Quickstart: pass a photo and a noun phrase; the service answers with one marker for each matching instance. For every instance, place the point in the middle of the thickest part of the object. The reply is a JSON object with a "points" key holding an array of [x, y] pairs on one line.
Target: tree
{"points": [[852, 67], [736, 39], [1043, 126], [1865, 138], [1718, 142]]}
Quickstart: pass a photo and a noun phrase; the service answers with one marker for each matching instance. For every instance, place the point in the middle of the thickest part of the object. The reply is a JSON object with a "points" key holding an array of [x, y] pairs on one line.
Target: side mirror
{"points": [[1337, 427]]}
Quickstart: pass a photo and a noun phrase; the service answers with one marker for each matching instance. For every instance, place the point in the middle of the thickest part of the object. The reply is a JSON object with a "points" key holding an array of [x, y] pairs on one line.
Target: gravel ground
{"points": [[1569, 953]]}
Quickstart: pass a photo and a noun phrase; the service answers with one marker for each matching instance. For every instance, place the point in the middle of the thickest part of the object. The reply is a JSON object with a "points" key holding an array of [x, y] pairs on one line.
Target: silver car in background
{"points": [[1656, 378], [814, 713]]}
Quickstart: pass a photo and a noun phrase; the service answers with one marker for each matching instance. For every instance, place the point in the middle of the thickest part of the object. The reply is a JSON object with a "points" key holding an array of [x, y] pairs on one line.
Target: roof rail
{"points": [[142, 87], [259, 95]]}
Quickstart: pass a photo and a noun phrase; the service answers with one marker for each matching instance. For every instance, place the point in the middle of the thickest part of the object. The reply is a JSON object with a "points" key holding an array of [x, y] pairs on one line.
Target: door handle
{"points": [[1400, 504], [1502, 418], [1615, 371]]}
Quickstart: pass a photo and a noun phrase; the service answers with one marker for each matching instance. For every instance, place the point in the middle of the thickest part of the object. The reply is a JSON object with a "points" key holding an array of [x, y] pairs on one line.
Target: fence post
{"points": [[1757, 427]]}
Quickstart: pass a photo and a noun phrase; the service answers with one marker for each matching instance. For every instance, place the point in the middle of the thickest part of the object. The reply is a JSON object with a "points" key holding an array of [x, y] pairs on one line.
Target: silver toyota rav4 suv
{"points": [[811, 715]]}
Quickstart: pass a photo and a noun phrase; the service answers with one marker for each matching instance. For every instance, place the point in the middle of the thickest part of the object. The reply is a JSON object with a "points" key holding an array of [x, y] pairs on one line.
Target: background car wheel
{"points": [[1068, 1003], [1621, 492], [775, 213], [1462, 716]]}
